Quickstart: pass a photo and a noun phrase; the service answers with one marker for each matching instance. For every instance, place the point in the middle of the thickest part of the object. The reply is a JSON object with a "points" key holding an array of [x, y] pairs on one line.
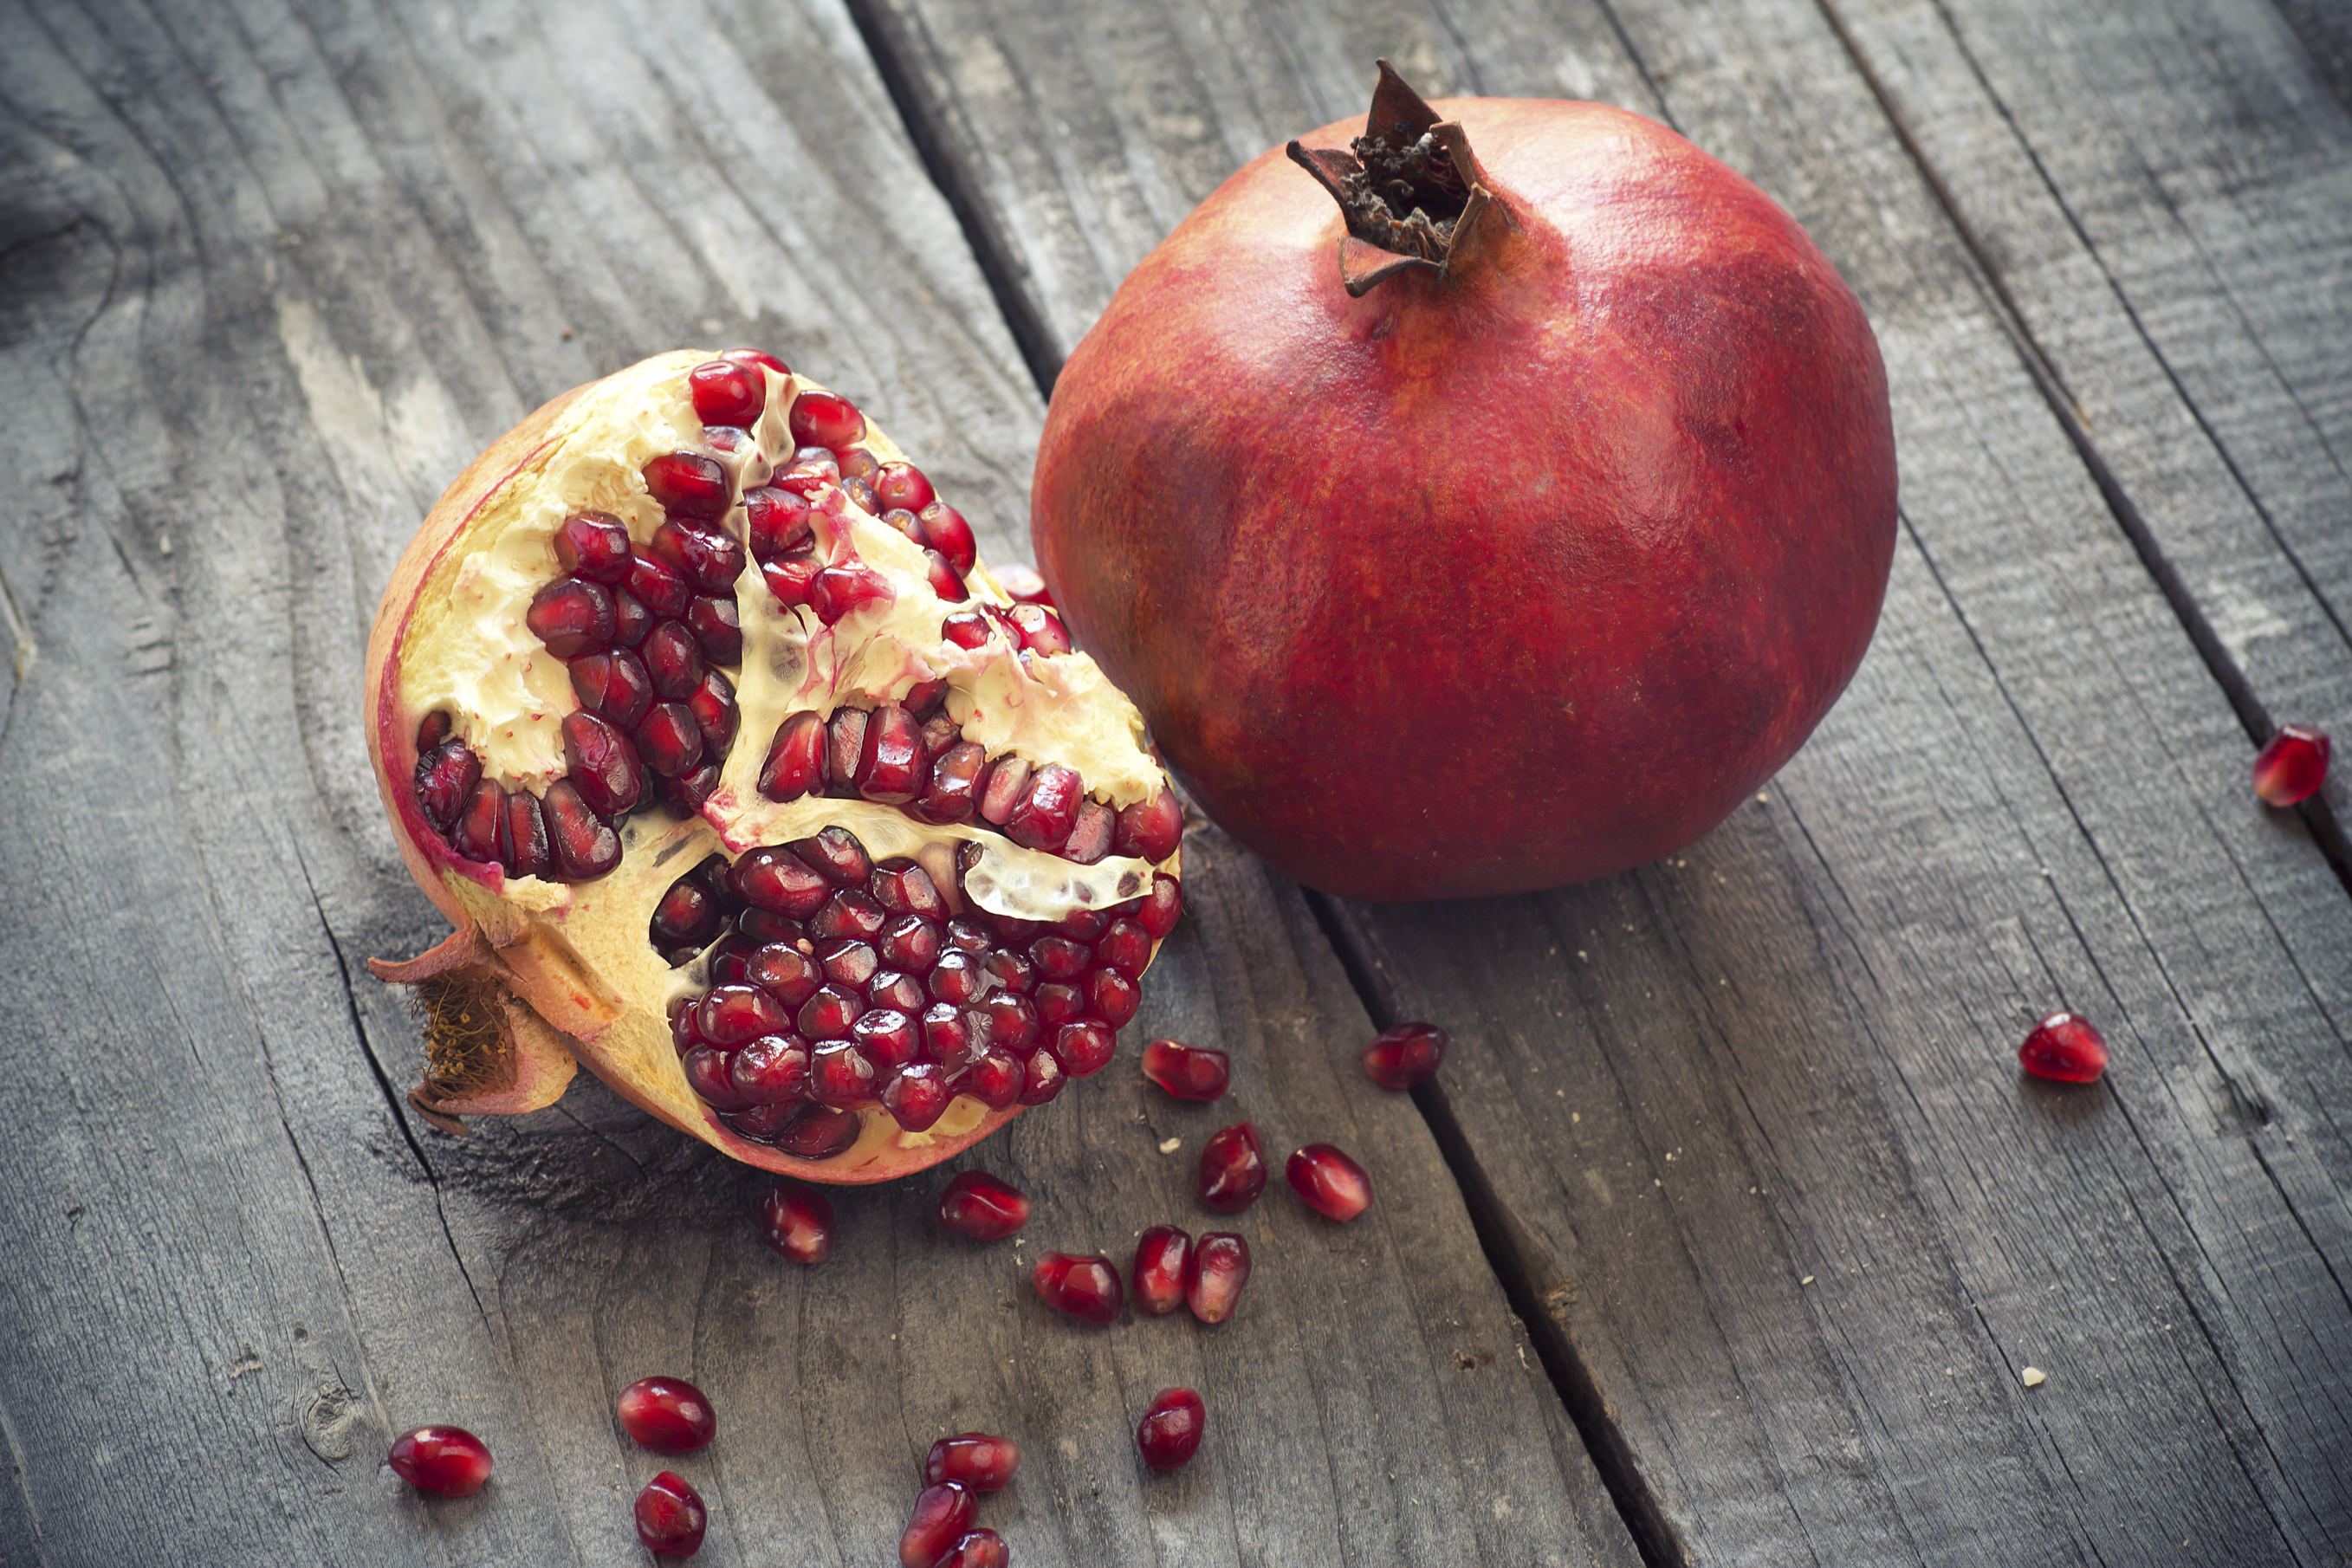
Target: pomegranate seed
{"points": [[837, 591], [761, 926], [916, 1096], [1022, 583], [837, 855], [1334, 1185], [789, 577], [763, 1124], [673, 658], [1058, 1004], [967, 629], [581, 843], [1150, 829], [1156, 913], [974, 1459], [689, 485], [2292, 765], [687, 916], [730, 1014], [524, 845], [951, 535], [1162, 1253], [848, 963], [818, 1132], [1188, 1072], [759, 357], [669, 742], [572, 616], [912, 942], [631, 619], [787, 973], [979, 1205], [717, 626], [798, 1221], [943, 1516], [446, 778], [1048, 807], [658, 586], [888, 1037], [2064, 1047], [1058, 958], [667, 1414], [1003, 789], [1124, 946], [892, 767], [1085, 1288], [1090, 835], [601, 762], [775, 521], [433, 730], [1214, 1275], [1169, 1433], [727, 393], [1011, 971], [1011, 1021], [446, 1459], [1113, 998], [858, 463], [476, 835], [892, 989], [860, 491], [670, 1517], [956, 979], [616, 687], [1042, 632], [852, 912], [710, 1073], [826, 419], [1042, 1080], [981, 1547], [775, 880], [903, 485], [594, 545], [943, 578], [712, 703], [1084, 1049], [795, 764], [709, 559], [1232, 1169], [772, 1070], [1406, 1054], [999, 1081]]}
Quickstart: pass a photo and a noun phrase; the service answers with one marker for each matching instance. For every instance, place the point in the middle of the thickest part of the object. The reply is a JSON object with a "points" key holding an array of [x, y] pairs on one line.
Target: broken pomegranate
{"points": [[1407, 1055], [1214, 1275], [979, 1205], [943, 1516], [1334, 1185], [2292, 764], [2065, 1049], [670, 1517], [1169, 1433], [446, 1459], [974, 1459], [1188, 1072], [1084, 1287], [1162, 1253], [667, 1414], [745, 783], [1501, 524], [1232, 1168]]}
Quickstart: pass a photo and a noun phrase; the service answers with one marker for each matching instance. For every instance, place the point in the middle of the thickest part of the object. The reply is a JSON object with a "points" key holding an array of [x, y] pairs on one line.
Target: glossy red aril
{"points": [[2292, 764], [670, 1517], [1603, 366], [1162, 1256], [979, 1460], [1188, 1072], [943, 1516], [979, 1205], [667, 1414], [1169, 1433], [797, 1222], [727, 393], [1334, 1185], [449, 1461], [1084, 1287], [1214, 1275], [2065, 1049], [1232, 1169], [981, 1547], [1407, 1055]]}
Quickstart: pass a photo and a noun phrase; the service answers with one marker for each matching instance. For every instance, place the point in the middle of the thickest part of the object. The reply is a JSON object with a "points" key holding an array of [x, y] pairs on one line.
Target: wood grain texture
{"points": [[267, 278], [1750, 1119]]}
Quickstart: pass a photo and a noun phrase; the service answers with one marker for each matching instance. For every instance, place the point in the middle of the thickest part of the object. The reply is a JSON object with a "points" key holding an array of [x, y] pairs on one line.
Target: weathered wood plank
{"points": [[1750, 1118], [268, 276]]}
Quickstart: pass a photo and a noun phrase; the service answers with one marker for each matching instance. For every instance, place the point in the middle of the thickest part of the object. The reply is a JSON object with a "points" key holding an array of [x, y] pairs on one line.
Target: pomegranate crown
{"points": [[1411, 193]]}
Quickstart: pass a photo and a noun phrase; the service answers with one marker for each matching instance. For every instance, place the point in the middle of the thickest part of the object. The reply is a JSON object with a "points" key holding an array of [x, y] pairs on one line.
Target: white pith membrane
{"points": [[466, 651]]}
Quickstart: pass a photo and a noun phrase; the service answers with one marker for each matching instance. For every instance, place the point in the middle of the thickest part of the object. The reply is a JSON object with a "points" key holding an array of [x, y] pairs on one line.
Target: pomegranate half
{"points": [[743, 784], [1499, 524]]}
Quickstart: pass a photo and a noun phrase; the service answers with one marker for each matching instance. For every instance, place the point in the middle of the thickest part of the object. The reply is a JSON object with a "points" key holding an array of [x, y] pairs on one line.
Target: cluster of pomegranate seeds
{"points": [[2064, 1047], [1188, 1072], [1214, 1275], [979, 1205], [670, 1517], [2292, 764], [797, 1221], [940, 1533], [1407, 1055], [1169, 1433], [1334, 1185], [838, 982], [1084, 1287], [667, 1415], [449, 1461], [1232, 1169]]}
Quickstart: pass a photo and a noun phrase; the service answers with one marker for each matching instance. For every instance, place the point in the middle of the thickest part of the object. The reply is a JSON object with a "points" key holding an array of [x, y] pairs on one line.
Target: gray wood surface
{"points": [[1748, 1125], [268, 279]]}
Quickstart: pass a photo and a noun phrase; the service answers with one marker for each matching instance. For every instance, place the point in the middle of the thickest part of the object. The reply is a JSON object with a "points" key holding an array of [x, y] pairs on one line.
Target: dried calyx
{"points": [[745, 782]]}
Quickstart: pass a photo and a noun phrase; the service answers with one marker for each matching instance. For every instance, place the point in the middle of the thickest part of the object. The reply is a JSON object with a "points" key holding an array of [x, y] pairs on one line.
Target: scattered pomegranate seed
{"points": [[1232, 1169], [943, 1516], [670, 1517], [981, 1547], [2292, 764], [2064, 1047], [976, 1459], [1169, 1433], [1188, 1072], [979, 1205], [1085, 1288], [1406, 1054], [1214, 1275], [446, 1459], [1161, 1257], [667, 1414], [798, 1222], [1333, 1184]]}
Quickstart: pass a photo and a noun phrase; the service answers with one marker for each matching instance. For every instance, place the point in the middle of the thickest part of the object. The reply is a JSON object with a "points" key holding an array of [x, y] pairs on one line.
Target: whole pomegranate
{"points": [[1500, 526], [744, 784]]}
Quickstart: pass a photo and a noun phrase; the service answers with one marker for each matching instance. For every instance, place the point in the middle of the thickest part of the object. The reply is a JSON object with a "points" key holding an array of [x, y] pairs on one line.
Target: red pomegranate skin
{"points": [[1478, 583]]}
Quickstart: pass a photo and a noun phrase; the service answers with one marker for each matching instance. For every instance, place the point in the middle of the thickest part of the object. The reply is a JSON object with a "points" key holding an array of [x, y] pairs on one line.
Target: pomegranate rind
{"points": [[587, 985]]}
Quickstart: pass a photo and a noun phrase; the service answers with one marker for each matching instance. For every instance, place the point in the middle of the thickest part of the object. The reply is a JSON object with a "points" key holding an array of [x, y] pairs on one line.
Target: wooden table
{"points": [[1730, 1229]]}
